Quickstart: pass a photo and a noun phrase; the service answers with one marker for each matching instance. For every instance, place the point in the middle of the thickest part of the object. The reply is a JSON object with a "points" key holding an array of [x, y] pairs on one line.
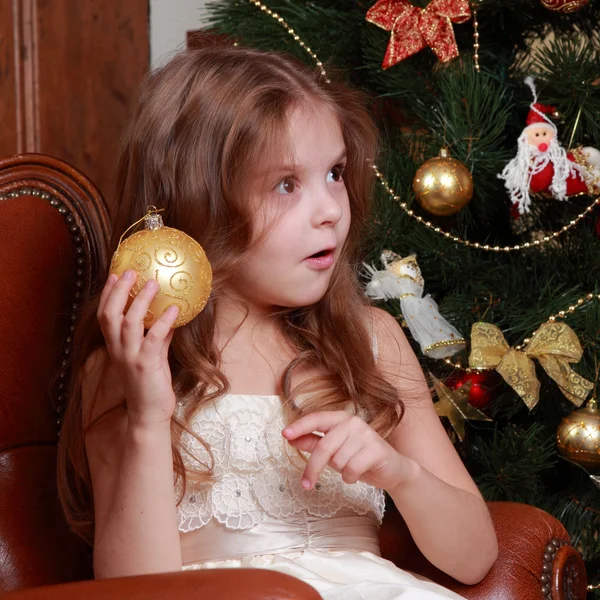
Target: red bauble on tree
{"points": [[564, 6], [483, 386]]}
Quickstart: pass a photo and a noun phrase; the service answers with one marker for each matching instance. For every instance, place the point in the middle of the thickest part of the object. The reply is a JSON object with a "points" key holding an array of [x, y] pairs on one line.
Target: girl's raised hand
{"points": [[141, 360], [351, 447]]}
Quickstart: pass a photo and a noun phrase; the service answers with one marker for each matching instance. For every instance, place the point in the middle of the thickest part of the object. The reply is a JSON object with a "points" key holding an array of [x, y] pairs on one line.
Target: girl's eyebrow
{"points": [[282, 168]]}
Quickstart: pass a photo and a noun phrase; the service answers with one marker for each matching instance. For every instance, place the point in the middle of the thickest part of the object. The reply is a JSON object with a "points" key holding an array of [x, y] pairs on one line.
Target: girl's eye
{"points": [[286, 186], [338, 171]]}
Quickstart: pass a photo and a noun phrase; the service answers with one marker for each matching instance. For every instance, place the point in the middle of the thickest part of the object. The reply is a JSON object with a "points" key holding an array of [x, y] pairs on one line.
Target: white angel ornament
{"points": [[402, 279]]}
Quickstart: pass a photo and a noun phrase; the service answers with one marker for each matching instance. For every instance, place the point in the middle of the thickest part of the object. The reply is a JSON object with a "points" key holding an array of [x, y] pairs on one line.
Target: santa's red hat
{"points": [[537, 114]]}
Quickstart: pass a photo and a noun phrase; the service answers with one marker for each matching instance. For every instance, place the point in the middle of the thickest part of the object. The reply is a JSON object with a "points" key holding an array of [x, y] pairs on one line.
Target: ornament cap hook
{"points": [[153, 221], [444, 152]]}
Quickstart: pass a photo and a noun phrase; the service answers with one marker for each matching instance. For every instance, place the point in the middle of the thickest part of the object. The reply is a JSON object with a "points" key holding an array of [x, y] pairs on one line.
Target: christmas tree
{"points": [[494, 82]]}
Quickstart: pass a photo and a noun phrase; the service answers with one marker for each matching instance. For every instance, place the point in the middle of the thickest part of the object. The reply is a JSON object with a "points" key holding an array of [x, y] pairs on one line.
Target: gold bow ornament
{"points": [[554, 346]]}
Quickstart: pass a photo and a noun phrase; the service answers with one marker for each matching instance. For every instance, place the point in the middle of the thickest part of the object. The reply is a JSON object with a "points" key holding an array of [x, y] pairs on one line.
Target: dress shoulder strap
{"points": [[374, 344], [375, 347]]}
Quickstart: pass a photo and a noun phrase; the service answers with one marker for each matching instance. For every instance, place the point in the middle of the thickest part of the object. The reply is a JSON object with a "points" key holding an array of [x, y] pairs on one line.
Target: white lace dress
{"points": [[258, 515]]}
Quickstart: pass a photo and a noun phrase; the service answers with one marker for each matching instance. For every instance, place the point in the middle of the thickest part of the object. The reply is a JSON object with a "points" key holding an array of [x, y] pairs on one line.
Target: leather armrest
{"points": [[205, 584], [535, 558]]}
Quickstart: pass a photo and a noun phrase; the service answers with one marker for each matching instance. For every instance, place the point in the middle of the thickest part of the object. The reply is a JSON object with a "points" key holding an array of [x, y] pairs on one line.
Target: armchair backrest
{"points": [[53, 237]]}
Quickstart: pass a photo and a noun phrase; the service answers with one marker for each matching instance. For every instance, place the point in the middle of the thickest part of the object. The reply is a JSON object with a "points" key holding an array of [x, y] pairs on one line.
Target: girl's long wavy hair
{"points": [[201, 126]]}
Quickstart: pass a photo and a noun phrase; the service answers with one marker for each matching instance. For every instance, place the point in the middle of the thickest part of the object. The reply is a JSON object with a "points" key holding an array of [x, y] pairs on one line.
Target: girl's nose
{"points": [[329, 210]]}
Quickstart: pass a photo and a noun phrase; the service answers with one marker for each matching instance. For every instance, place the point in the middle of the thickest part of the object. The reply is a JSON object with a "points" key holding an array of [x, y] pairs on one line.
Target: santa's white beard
{"points": [[530, 161]]}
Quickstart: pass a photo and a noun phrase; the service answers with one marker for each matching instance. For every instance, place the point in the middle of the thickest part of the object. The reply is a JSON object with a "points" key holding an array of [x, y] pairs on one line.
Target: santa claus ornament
{"points": [[542, 166]]}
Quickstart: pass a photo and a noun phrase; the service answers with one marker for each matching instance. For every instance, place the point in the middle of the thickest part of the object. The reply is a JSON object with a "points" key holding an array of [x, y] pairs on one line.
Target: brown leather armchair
{"points": [[53, 234]]}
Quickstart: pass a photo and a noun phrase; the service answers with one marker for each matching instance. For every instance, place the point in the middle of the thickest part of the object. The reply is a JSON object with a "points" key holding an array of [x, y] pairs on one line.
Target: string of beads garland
{"points": [[474, 9], [562, 314], [477, 245], [296, 37], [403, 205]]}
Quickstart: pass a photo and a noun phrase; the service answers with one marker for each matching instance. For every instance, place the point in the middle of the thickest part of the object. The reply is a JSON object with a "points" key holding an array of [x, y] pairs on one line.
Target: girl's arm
{"points": [[417, 465], [129, 454], [439, 501], [132, 475]]}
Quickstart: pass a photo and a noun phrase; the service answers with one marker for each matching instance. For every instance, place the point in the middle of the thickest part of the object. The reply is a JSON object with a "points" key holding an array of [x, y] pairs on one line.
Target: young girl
{"points": [[265, 432]]}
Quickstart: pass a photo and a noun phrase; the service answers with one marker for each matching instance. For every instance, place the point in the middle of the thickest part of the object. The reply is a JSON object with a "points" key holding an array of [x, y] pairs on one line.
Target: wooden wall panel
{"points": [[103, 49], [78, 69], [8, 84]]}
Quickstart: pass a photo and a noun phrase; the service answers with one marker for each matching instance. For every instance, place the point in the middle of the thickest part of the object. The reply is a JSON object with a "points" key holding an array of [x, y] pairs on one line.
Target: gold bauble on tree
{"points": [[175, 260], [564, 6], [443, 185], [578, 437]]}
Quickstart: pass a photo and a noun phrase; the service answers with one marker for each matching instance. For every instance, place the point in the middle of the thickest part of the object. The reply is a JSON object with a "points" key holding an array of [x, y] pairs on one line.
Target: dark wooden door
{"points": [[69, 70]]}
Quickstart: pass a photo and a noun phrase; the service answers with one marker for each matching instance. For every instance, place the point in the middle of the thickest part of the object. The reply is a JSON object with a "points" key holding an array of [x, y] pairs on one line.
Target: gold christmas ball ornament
{"points": [[578, 437], [564, 6], [175, 260], [443, 185]]}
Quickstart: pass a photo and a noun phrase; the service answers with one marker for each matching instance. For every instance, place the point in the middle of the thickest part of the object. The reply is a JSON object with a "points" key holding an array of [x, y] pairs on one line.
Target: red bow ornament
{"points": [[414, 28]]}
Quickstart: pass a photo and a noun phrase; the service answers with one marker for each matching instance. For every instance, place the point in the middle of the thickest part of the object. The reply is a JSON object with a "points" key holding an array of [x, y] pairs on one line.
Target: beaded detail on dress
{"points": [[257, 471]]}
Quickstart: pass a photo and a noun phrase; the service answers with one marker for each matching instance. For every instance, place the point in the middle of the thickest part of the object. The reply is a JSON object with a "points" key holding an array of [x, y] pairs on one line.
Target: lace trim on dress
{"points": [[256, 474]]}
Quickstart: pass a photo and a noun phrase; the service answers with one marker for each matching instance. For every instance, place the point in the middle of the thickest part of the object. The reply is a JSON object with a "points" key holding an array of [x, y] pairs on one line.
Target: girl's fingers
{"points": [[318, 421], [306, 443], [321, 455], [358, 464], [111, 315], [167, 343], [342, 457], [132, 333], [108, 286], [158, 333]]}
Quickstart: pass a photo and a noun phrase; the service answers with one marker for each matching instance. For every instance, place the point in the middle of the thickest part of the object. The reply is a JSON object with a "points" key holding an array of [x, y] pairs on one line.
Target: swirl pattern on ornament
{"points": [[182, 282], [141, 261], [168, 256]]}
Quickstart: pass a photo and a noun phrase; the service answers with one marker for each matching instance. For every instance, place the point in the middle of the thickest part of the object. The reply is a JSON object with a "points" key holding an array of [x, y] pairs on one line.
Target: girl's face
{"points": [[305, 217]]}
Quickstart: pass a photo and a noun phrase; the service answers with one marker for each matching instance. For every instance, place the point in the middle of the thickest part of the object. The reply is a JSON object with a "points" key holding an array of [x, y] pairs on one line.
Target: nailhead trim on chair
{"points": [[82, 262], [549, 554]]}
